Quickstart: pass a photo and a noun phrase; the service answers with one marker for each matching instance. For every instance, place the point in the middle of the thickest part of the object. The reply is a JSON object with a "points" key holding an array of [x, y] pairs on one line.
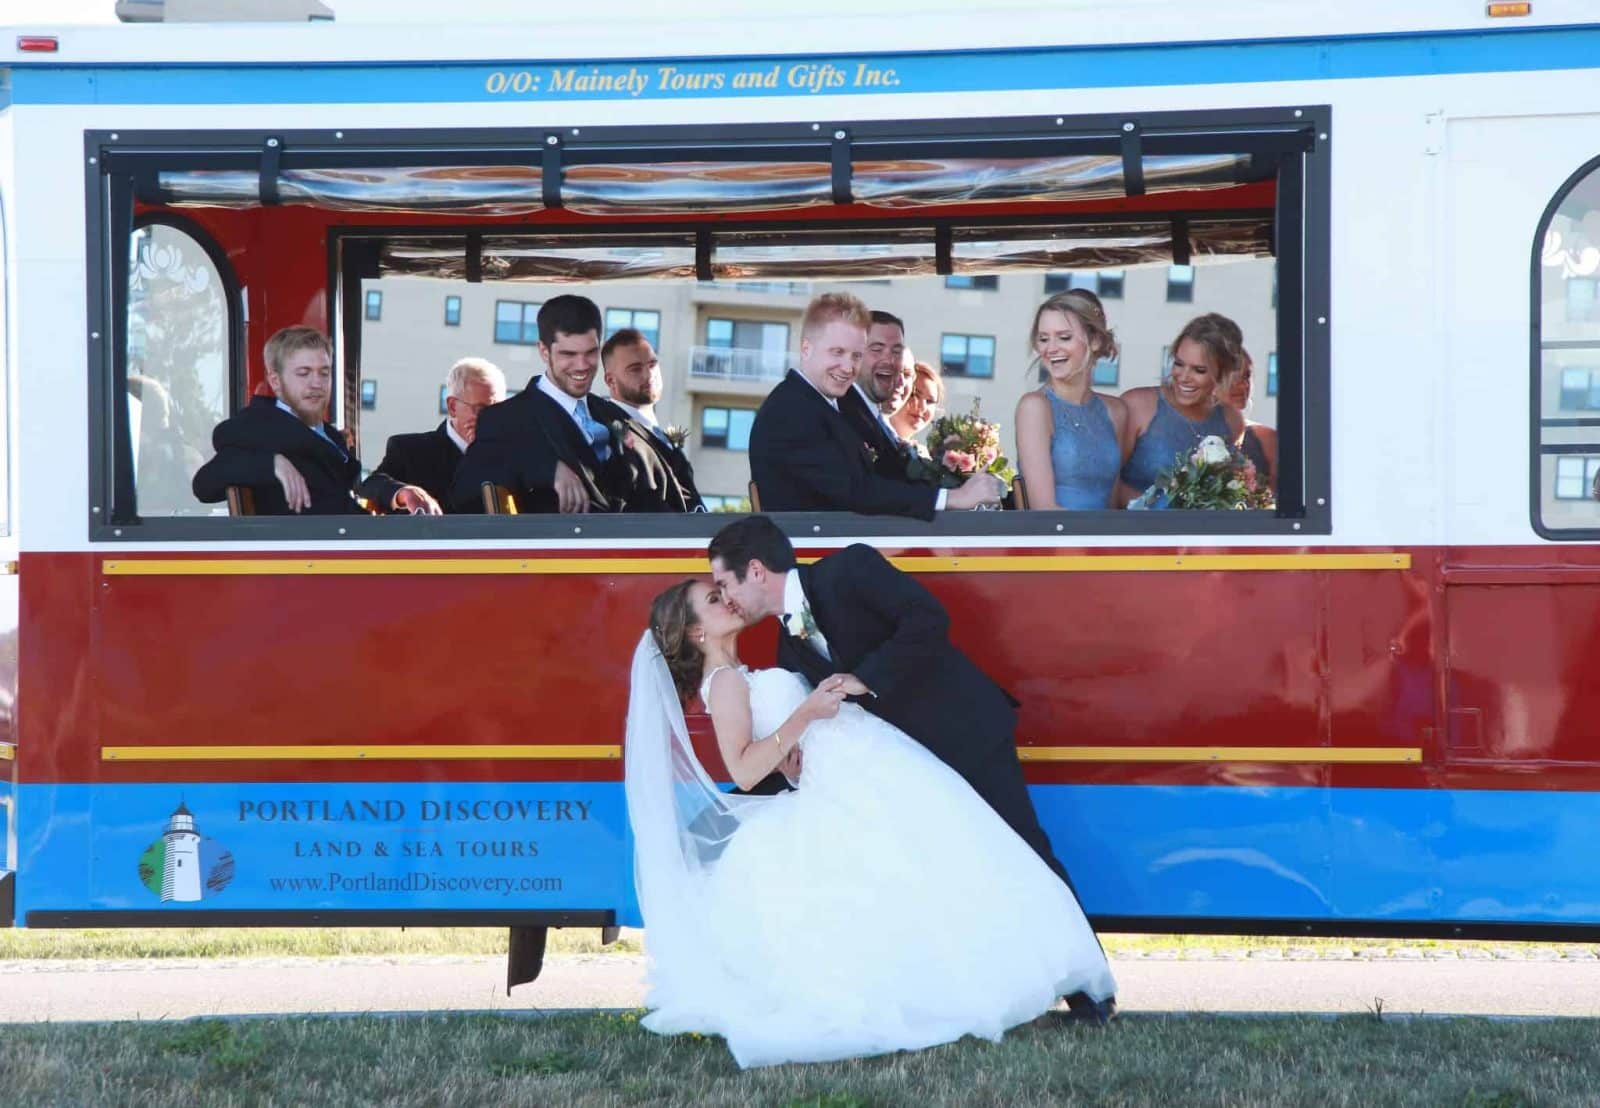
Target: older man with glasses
{"points": [[429, 458]]}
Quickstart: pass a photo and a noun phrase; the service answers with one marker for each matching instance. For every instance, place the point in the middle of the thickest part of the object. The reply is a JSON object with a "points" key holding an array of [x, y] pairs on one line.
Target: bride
{"points": [[880, 906]]}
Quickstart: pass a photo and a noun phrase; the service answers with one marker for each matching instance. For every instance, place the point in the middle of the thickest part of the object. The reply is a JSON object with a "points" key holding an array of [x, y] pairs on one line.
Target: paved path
{"points": [[1270, 981]]}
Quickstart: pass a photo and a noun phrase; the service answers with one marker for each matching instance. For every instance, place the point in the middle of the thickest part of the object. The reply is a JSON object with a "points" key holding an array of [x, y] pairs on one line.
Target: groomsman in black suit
{"points": [[429, 458], [554, 446], [665, 483], [805, 453], [863, 404], [874, 628], [281, 448]]}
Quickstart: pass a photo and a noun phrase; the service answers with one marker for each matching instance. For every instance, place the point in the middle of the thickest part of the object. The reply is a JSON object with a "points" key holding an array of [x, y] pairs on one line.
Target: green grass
{"points": [[608, 1059], [288, 942], [314, 942]]}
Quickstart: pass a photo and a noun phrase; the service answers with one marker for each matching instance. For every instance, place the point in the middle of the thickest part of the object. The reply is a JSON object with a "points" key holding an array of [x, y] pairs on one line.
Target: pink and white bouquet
{"points": [[1211, 476], [958, 447]]}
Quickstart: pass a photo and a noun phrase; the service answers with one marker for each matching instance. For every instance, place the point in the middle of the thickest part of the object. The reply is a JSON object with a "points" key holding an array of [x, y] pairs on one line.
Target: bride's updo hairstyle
{"points": [[671, 619]]}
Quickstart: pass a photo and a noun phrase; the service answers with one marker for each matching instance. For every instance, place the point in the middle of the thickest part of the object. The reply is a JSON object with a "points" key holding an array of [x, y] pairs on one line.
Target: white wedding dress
{"points": [[880, 906]]}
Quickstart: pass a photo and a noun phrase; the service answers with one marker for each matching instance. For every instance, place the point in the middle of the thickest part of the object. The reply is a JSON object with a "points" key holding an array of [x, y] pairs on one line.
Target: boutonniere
{"points": [[621, 435], [677, 436], [800, 624], [870, 453]]}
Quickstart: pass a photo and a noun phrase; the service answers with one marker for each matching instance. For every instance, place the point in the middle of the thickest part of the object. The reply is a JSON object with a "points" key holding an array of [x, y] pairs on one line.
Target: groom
{"points": [[854, 617]]}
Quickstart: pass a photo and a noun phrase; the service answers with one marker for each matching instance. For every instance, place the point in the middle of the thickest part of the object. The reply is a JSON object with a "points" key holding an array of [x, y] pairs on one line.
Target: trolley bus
{"points": [[1369, 710]]}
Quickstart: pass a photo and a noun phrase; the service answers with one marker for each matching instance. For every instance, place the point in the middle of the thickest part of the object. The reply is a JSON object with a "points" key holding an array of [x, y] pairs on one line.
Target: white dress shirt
{"points": [[569, 404], [649, 421], [455, 436], [795, 602], [832, 403]]}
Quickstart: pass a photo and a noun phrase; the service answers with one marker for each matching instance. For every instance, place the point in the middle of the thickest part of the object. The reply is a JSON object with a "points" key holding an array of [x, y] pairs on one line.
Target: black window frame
{"points": [[1538, 422], [725, 440], [608, 330], [522, 323], [1108, 283], [994, 351], [1293, 141]]}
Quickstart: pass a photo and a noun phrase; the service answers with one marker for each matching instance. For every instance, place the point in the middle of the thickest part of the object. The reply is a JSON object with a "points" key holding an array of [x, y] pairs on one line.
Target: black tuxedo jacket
{"points": [[245, 444], [427, 459], [806, 457], [889, 453], [659, 474], [520, 440], [885, 628]]}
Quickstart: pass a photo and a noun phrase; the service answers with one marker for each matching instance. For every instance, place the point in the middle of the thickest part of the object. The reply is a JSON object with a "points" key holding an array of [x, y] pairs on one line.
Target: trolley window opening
{"points": [[755, 214], [1565, 494]]}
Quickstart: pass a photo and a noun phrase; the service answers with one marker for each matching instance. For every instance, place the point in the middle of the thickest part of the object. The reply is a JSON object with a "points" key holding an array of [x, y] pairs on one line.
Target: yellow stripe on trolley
{"points": [[976, 563], [371, 753], [7, 752], [1314, 755]]}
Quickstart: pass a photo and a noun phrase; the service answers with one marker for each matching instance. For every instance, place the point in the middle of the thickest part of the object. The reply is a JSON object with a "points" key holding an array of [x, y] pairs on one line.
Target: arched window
{"points": [[179, 364], [1567, 361]]}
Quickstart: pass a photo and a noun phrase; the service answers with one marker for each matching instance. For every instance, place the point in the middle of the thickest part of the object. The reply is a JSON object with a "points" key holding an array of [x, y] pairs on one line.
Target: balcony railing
{"points": [[733, 363]]}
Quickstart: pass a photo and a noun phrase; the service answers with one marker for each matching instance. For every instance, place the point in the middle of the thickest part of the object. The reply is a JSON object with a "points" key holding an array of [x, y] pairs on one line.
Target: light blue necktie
{"points": [[327, 438], [593, 430]]}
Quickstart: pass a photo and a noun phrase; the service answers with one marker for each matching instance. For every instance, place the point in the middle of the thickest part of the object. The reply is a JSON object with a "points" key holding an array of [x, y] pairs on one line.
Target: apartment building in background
{"points": [[723, 345]]}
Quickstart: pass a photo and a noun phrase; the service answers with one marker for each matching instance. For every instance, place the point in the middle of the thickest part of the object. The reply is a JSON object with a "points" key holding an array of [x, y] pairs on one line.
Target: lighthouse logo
{"points": [[183, 865]]}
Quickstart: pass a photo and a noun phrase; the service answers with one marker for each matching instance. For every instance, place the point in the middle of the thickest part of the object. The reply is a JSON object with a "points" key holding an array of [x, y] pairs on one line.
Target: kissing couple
{"points": [[902, 894]]}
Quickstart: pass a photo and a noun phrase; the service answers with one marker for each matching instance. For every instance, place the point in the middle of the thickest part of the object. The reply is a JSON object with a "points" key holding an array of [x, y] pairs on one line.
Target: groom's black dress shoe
{"points": [[1082, 1008]]}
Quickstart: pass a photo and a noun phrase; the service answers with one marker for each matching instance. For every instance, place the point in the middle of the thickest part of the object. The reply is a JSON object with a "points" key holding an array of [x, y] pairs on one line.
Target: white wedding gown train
{"points": [[880, 906]]}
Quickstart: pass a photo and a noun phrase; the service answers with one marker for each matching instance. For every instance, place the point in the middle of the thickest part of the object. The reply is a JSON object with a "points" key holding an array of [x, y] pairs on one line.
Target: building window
{"points": [[369, 393], [1180, 284], [1272, 374], [725, 503], [967, 355], [1104, 283], [517, 322], [1580, 389], [748, 334], [1106, 372], [374, 304], [987, 283], [452, 311], [1583, 299], [728, 428], [645, 322], [444, 394], [1575, 474]]}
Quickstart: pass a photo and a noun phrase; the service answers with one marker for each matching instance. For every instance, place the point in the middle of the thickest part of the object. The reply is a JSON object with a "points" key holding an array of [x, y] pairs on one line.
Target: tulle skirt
{"points": [[881, 906]]}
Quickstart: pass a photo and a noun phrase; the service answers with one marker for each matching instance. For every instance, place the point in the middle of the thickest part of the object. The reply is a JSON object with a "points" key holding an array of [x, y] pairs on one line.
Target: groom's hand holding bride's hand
{"points": [[849, 684]]}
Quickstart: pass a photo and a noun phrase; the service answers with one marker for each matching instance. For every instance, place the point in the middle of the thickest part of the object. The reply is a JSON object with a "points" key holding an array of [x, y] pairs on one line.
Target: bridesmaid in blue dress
{"points": [[1071, 439], [1172, 418]]}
